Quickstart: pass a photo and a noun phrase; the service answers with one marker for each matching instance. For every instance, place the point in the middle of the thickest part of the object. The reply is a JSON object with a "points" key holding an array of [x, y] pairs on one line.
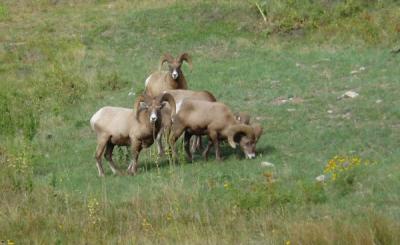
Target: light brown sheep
{"points": [[179, 95], [123, 126], [217, 121], [161, 81]]}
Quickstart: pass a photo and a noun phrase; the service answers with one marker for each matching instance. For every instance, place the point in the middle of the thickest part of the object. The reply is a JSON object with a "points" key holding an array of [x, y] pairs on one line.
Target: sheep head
{"points": [[152, 106], [174, 65], [246, 137]]}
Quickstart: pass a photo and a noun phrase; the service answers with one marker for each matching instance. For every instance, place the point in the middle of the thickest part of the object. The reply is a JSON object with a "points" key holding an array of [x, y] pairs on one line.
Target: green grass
{"points": [[61, 62]]}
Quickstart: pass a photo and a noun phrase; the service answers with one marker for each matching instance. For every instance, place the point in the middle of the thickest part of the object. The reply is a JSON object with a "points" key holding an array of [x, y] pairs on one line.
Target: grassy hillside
{"points": [[63, 60]]}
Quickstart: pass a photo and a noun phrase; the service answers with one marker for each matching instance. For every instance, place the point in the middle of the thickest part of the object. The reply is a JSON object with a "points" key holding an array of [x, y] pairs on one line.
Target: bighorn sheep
{"points": [[217, 121], [161, 81], [179, 95], [123, 126]]}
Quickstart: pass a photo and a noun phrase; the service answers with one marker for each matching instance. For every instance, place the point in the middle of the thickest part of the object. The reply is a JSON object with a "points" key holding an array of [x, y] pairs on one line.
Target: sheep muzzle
{"points": [[174, 74], [153, 117]]}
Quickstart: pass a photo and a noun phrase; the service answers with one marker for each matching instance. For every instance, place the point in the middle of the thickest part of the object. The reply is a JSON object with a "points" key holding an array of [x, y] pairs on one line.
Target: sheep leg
{"points": [[205, 153], [136, 148], [177, 131], [101, 145], [214, 138], [196, 144], [199, 143], [108, 156], [186, 142], [217, 150], [160, 147]]}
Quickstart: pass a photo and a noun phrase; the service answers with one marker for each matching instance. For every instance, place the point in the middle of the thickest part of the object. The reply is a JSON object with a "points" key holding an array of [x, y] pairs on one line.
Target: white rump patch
{"points": [[178, 106]]}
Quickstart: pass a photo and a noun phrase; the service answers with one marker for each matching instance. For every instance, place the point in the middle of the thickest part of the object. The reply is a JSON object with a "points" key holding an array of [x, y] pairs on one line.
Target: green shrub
{"points": [[287, 15]]}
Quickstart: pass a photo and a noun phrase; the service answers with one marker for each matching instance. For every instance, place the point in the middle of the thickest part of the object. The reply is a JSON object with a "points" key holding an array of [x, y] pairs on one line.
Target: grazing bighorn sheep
{"points": [[161, 81], [179, 95], [123, 126], [217, 121]]}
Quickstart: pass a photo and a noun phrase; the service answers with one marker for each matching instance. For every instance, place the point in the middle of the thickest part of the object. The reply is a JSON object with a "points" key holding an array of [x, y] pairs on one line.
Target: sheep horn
{"points": [[234, 130], [186, 57], [258, 130], [166, 58], [136, 105], [170, 99]]}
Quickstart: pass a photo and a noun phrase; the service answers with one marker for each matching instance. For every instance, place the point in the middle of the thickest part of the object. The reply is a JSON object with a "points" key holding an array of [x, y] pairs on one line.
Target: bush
{"points": [[289, 15]]}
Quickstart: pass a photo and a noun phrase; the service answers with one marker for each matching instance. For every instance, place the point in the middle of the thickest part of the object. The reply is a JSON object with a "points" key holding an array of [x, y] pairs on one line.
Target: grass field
{"points": [[63, 60]]}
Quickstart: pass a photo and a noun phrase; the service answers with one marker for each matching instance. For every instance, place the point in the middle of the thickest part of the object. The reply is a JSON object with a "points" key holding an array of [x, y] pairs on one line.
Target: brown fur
{"points": [[217, 121], [161, 81], [122, 126], [243, 117], [179, 95]]}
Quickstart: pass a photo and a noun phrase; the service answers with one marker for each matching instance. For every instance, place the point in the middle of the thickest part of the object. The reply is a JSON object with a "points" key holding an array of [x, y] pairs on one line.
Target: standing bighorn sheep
{"points": [[217, 121], [122, 126], [161, 81]]}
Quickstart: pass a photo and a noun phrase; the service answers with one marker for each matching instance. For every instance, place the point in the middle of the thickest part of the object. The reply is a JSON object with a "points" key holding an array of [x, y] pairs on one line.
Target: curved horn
{"points": [[136, 105], [258, 130], [237, 129], [170, 99], [186, 57], [166, 58]]}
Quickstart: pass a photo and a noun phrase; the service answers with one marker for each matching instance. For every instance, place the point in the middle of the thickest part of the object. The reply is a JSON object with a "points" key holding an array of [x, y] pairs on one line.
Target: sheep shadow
{"points": [[148, 159], [149, 163], [227, 151]]}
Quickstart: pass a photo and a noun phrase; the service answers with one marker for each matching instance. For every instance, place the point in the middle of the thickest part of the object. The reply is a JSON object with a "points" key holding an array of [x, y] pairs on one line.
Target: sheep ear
{"points": [[186, 57], [143, 105], [165, 58], [138, 104], [163, 104]]}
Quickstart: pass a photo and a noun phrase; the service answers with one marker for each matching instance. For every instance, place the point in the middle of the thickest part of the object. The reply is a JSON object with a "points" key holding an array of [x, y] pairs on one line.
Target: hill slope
{"points": [[63, 61]]}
